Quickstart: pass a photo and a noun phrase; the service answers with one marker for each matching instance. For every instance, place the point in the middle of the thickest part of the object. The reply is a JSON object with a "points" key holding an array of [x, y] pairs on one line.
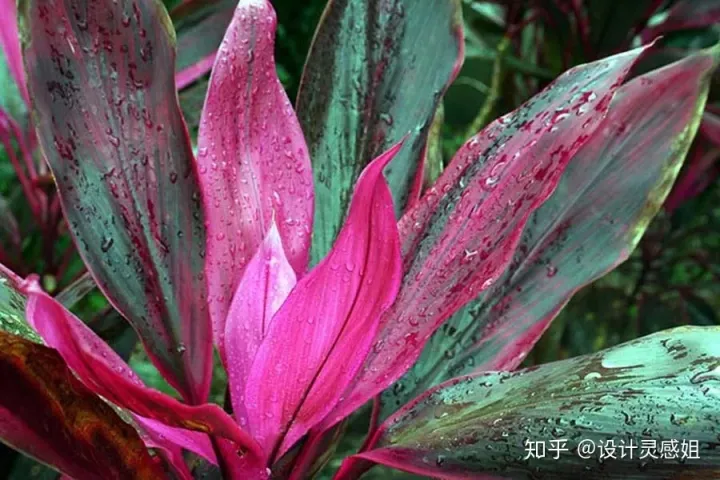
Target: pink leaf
{"points": [[172, 440], [710, 127], [462, 234], [319, 338], [191, 73], [266, 283], [10, 45], [159, 435], [170, 451], [106, 374], [686, 15], [252, 158]]}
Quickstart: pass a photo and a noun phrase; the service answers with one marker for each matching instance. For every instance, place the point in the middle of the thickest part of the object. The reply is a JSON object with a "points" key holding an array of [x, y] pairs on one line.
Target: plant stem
{"points": [[225, 472], [494, 94]]}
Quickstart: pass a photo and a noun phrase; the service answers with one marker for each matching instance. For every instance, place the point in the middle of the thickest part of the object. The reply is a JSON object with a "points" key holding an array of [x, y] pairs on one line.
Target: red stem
{"points": [[307, 454], [583, 27], [23, 147], [25, 183], [373, 425]]}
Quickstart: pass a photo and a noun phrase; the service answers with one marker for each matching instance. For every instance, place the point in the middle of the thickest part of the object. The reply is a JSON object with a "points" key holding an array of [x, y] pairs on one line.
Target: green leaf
{"points": [[434, 161], [10, 98], [376, 71], [700, 311], [26, 468], [611, 23], [76, 291], [658, 388], [12, 307], [9, 231]]}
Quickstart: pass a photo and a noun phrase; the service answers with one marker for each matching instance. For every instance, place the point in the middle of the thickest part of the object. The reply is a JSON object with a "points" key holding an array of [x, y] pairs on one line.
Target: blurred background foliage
{"points": [[513, 49]]}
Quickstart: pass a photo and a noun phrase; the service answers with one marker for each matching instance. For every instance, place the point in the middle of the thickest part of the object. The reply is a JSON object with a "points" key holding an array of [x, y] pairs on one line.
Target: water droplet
{"points": [[387, 118], [107, 242]]}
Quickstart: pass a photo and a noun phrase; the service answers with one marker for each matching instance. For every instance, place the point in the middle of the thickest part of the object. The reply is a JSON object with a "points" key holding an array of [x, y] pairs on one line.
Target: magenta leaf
{"points": [[166, 446], [700, 170], [462, 235], [158, 435], [608, 194], [10, 45], [106, 374], [101, 77], [266, 283], [194, 71], [253, 161], [320, 336]]}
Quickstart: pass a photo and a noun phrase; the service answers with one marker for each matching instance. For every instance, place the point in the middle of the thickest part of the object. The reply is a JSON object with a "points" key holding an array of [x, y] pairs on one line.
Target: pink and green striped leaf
{"points": [[252, 158], [47, 413], [654, 391], [101, 79], [376, 71], [463, 234], [318, 339], [686, 15], [200, 29], [608, 194]]}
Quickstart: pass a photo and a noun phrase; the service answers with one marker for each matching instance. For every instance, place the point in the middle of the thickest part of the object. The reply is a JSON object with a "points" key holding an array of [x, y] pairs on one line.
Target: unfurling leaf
{"points": [[266, 283], [254, 165]]}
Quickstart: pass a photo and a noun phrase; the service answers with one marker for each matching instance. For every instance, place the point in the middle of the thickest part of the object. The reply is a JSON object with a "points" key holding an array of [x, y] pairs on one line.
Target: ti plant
{"points": [[316, 297]]}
